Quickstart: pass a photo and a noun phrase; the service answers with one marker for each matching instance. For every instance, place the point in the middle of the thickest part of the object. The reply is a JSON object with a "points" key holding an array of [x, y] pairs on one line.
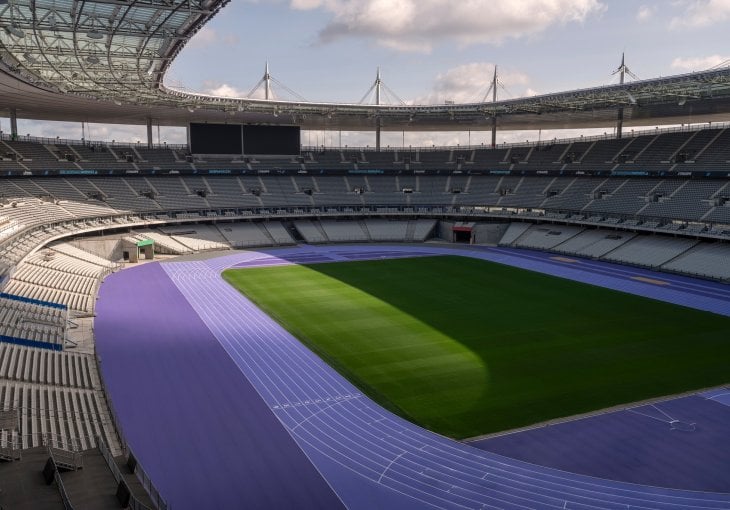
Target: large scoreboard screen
{"points": [[216, 139], [247, 139], [282, 140]]}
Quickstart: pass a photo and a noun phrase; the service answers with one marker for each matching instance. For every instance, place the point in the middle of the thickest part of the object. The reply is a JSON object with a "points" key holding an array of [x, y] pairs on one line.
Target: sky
{"points": [[431, 51]]}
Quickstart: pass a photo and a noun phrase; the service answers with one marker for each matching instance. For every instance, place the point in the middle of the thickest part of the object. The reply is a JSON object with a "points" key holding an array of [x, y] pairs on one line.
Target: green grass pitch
{"points": [[466, 347]]}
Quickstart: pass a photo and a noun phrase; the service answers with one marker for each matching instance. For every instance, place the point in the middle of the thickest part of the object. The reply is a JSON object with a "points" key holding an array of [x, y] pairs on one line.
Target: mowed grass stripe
{"points": [[466, 347]]}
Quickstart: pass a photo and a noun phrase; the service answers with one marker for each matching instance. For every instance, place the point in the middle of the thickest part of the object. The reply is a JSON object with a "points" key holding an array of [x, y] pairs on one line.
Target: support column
{"points": [[13, 123], [149, 132], [494, 132], [620, 123], [377, 135]]}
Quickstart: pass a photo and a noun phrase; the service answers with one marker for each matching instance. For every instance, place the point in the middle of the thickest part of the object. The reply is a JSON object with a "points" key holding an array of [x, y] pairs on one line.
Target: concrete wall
{"points": [[108, 247], [443, 231], [489, 233]]}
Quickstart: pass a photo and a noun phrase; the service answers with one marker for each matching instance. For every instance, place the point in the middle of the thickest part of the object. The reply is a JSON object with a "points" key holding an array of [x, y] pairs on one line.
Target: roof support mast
{"points": [[622, 72], [378, 85], [620, 120], [379, 88], [267, 82], [494, 115]]}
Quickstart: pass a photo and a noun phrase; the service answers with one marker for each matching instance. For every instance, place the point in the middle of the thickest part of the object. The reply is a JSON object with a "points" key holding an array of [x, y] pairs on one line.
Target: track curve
{"points": [[372, 458]]}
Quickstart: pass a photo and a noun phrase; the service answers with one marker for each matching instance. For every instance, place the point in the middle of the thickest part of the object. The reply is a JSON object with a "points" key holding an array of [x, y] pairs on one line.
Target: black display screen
{"points": [[215, 139], [272, 140], [244, 139]]}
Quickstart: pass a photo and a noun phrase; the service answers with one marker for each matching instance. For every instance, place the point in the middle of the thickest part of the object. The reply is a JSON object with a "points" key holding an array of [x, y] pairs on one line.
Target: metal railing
{"points": [[146, 482], [62, 489], [139, 471], [134, 503], [57, 441], [633, 133], [89, 143], [59, 456], [11, 447], [16, 441], [608, 135]]}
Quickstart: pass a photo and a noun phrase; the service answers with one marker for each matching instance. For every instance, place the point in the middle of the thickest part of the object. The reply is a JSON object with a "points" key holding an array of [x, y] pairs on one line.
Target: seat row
{"points": [[31, 321], [79, 302], [44, 366], [47, 413]]}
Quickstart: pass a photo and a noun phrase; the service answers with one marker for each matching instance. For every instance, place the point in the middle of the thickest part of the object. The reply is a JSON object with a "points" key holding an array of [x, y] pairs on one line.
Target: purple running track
{"points": [[719, 395], [642, 445], [370, 457], [198, 428]]}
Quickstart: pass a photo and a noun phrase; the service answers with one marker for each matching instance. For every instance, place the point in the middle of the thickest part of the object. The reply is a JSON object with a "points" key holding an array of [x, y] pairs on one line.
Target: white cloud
{"points": [[304, 5], [699, 63], [278, 91], [415, 25], [701, 13], [645, 12], [469, 83], [225, 90], [208, 36], [222, 90]]}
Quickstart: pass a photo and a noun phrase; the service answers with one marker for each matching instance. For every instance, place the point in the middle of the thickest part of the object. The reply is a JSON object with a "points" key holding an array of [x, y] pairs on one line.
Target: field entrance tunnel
{"points": [[462, 233]]}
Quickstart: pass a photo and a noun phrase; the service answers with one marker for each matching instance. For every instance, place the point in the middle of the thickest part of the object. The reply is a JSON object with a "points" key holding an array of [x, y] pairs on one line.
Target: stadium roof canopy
{"points": [[105, 60]]}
